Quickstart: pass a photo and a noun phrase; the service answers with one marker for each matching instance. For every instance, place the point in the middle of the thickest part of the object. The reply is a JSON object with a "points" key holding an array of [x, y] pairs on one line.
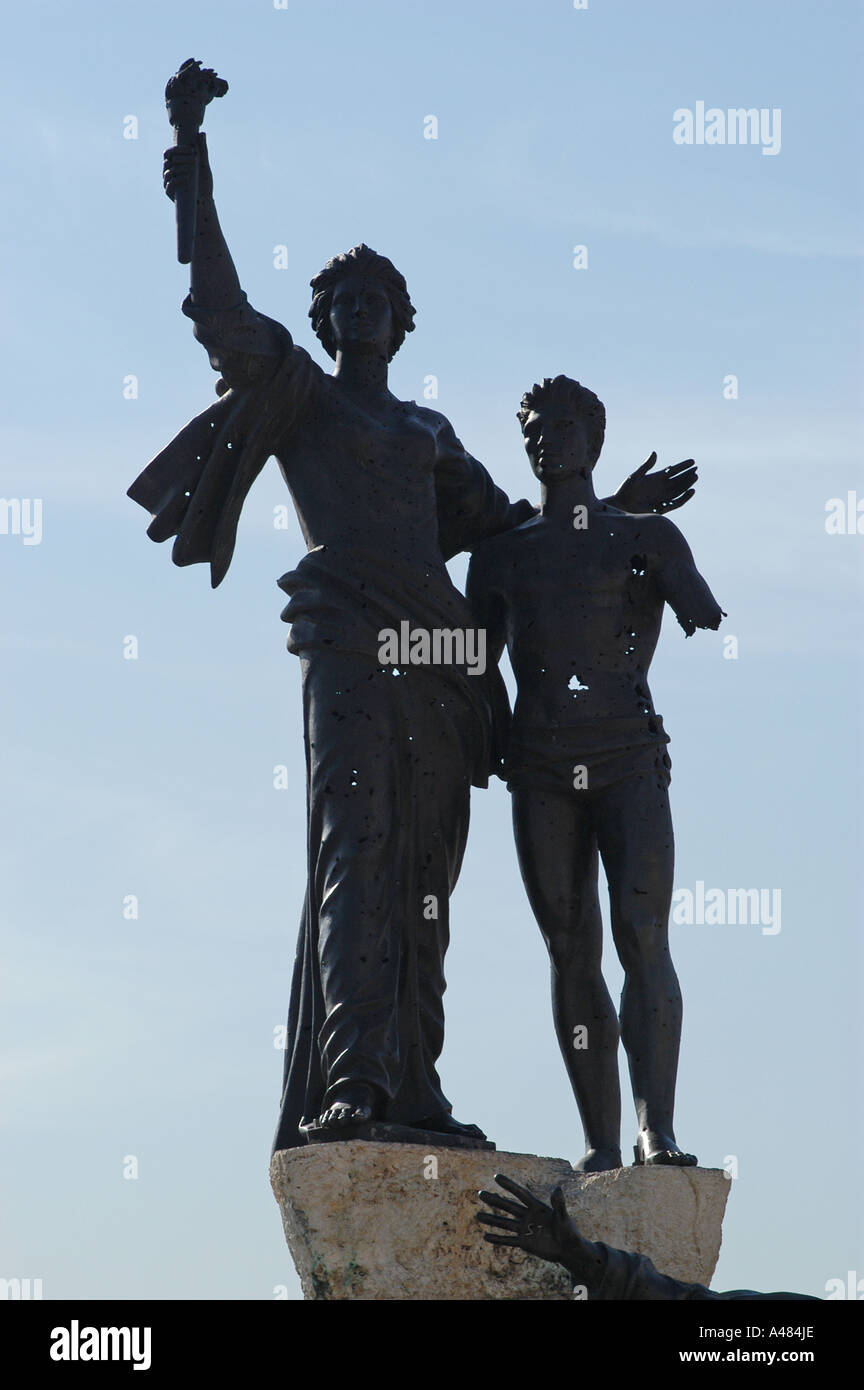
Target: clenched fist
{"points": [[178, 170]]}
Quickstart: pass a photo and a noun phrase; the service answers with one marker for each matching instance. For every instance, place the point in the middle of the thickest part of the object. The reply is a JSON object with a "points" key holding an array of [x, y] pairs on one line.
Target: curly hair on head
{"points": [[364, 262], [563, 393]]}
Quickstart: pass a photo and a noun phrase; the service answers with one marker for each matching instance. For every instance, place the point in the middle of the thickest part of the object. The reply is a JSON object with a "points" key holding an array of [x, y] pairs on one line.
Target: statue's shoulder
{"points": [[300, 358], [432, 419], [506, 549], [663, 534], [651, 525]]}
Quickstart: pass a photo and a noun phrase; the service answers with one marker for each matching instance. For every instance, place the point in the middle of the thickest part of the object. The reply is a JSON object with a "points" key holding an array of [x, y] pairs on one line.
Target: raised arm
{"points": [[215, 284], [243, 345]]}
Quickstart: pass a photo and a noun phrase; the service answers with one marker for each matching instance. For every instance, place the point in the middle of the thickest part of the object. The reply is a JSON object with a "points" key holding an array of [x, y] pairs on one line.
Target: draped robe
{"points": [[383, 502]]}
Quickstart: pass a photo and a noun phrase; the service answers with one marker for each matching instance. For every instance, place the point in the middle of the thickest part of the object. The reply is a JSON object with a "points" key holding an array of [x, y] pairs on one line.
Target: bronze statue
{"points": [[578, 592], [385, 494]]}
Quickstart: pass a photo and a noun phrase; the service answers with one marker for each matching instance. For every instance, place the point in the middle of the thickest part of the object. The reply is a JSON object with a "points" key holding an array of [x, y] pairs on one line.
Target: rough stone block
{"points": [[375, 1221]]}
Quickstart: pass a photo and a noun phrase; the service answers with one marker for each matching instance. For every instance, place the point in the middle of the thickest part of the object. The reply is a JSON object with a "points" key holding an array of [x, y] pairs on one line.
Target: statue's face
{"points": [[361, 316], [556, 443]]}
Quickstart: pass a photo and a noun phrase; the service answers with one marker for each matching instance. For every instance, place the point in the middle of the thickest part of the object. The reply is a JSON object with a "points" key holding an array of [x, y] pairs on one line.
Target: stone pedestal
{"points": [[376, 1221]]}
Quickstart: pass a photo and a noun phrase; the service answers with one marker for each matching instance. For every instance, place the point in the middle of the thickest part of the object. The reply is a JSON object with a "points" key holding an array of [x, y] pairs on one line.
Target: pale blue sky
{"points": [[153, 777]]}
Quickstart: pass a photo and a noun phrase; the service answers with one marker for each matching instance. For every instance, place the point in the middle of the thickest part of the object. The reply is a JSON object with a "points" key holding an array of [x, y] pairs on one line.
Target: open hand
{"points": [[527, 1223], [661, 491]]}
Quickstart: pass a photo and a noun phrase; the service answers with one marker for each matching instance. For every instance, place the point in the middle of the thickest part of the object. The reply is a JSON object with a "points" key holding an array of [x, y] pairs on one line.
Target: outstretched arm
{"points": [[524, 1221], [471, 508]]}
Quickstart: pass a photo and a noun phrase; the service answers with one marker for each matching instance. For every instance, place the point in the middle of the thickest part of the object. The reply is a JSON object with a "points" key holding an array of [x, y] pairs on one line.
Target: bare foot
{"points": [[656, 1149], [598, 1161], [356, 1106]]}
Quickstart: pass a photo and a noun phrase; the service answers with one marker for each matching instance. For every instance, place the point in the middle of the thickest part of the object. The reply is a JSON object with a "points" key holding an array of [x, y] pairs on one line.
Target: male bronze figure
{"points": [[577, 593]]}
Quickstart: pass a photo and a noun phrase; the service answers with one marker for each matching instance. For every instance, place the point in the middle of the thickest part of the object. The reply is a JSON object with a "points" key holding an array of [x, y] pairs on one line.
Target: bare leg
{"points": [[634, 830], [558, 859]]}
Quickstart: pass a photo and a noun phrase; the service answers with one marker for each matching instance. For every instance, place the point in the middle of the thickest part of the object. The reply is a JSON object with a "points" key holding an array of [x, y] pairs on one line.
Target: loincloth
{"points": [[609, 751]]}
